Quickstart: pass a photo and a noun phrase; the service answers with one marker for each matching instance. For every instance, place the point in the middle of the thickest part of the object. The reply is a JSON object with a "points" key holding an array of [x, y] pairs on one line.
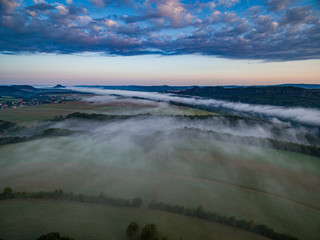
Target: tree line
{"points": [[199, 212], [50, 132], [59, 194], [149, 232], [249, 140], [52, 236], [259, 141]]}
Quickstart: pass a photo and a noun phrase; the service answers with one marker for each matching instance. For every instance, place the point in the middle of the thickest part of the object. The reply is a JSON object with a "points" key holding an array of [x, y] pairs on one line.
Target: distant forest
{"points": [[287, 96]]}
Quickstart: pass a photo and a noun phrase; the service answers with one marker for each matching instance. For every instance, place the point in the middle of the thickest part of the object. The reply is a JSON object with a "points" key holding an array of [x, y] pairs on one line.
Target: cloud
{"points": [[278, 5], [109, 23], [8, 5], [118, 3], [172, 9], [40, 7], [63, 10], [227, 3], [163, 27], [211, 4], [266, 24], [214, 17], [174, 13], [254, 10], [39, 1], [298, 16]]}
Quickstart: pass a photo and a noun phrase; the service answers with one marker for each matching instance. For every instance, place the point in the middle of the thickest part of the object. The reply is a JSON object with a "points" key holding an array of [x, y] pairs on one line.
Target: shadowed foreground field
{"points": [[267, 186], [82, 221]]}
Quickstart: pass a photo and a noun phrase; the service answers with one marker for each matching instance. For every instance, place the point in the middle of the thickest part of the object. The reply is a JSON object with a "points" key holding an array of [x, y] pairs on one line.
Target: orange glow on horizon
{"points": [[152, 70]]}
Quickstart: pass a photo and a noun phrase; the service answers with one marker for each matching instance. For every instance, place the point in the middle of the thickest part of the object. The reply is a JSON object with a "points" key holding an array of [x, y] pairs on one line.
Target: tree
{"points": [[149, 232], [252, 224], [7, 193], [136, 202], [132, 230], [102, 195], [53, 236], [200, 212], [58, 193]]}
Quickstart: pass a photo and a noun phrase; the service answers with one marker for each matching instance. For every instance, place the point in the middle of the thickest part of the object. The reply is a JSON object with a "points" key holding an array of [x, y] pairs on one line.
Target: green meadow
{"points": [[245, 186], [48, 111], [32, 218], [129, 159]]}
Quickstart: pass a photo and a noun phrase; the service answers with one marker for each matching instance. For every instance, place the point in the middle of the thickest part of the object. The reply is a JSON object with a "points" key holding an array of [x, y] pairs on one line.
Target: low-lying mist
{"points": [[272, 128], [298, 114], [155, 143], [166, 117], [175, 159]]}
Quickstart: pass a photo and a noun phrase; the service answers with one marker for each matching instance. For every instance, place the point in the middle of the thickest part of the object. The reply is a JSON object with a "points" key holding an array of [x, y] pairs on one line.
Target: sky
{"points": [[156, 42]]}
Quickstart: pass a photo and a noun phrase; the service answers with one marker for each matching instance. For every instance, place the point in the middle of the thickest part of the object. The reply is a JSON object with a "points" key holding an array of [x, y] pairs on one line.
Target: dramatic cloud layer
{"points": [[273, 30]]}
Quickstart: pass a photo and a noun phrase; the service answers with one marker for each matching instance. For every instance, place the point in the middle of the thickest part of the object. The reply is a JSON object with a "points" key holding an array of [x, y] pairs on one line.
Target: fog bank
{"points": [[297, 114]]}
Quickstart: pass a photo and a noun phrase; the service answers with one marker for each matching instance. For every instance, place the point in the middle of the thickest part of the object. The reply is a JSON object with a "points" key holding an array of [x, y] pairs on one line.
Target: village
{"points": [[10, 102]]}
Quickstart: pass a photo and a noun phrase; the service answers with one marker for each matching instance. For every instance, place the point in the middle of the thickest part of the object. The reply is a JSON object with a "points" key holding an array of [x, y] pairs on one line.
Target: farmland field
{"points": [[48, 111], [33, 218], [8, 99], [158, 158], [218, 182]]}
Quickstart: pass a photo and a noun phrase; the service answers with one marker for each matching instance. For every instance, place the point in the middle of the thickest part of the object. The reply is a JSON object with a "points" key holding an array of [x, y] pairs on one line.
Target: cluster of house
{"points": [[32, 101]]}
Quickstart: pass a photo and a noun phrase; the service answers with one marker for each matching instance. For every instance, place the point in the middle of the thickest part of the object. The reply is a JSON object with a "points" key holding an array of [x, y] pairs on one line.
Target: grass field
{"points": [[8, 99], [189, 173], [33, 218], [49, 111], [146, 158]]}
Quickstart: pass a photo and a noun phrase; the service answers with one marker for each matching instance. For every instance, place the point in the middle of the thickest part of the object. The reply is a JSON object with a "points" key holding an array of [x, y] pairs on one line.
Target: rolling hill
{"points": [[25, 91], [271, 95]]}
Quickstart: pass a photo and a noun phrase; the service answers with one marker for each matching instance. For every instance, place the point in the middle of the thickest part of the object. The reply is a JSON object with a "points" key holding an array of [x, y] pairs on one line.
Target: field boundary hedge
{"points": [[215, 217], [199, 212], [58, 194]]}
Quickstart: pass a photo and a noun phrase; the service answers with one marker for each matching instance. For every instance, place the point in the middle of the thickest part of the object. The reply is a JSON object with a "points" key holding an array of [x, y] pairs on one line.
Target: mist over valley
{"points": [[257, 163]]}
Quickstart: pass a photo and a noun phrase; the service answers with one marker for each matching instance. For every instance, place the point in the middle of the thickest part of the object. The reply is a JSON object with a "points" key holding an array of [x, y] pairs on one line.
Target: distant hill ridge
{"points": [[25, 91], [272, 95], [13, 92], [25, 87], [301, 85]]}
